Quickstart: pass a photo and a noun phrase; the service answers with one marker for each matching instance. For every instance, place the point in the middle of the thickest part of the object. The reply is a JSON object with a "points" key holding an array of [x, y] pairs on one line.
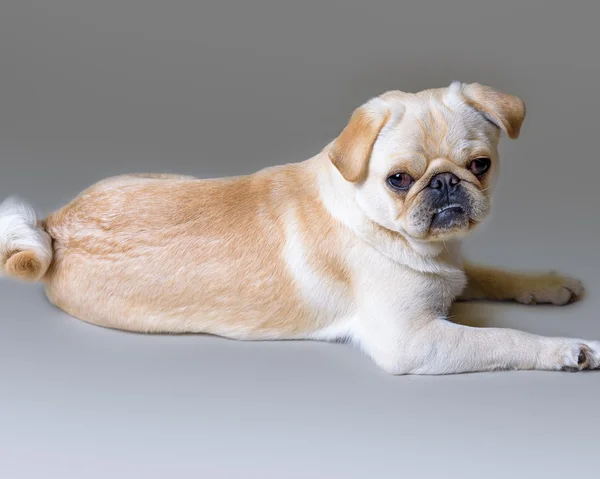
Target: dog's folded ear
{"points": [[504, 110], [351, 150]]}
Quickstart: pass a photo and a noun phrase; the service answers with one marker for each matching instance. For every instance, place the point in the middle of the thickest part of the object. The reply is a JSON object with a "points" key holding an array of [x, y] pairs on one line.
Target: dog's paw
{"points": [[580, 355], [550, 288]]}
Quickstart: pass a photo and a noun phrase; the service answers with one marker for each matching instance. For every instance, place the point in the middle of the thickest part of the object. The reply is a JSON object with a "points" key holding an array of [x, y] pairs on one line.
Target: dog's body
{"points": [[323, 249]]}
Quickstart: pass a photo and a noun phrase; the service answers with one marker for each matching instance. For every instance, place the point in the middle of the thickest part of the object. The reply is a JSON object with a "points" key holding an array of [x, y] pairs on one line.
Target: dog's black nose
{"points": [[445, 182]]}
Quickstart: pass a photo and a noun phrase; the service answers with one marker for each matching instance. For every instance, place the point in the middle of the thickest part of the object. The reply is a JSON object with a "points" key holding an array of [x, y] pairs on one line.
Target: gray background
{"points": [[90, 89]]}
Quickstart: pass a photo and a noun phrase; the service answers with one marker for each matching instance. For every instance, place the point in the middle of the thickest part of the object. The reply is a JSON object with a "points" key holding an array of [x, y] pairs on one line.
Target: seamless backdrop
{"points": [[90, 89]]}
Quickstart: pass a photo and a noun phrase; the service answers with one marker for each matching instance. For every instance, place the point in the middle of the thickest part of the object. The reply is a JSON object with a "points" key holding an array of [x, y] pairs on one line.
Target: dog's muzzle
{"points": [[449, 202]]}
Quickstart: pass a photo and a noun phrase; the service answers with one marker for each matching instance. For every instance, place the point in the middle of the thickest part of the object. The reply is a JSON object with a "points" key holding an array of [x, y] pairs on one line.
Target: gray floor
{"points": [[90, 89]]}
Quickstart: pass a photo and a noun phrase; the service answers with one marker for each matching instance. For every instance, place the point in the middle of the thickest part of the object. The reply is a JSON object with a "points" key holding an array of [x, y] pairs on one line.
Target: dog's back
{"points": [[162, 253]]}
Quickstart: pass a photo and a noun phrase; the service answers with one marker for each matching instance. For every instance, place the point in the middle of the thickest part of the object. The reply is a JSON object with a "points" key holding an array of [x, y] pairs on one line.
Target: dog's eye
{"points": [[479, 166], [400, 181]]}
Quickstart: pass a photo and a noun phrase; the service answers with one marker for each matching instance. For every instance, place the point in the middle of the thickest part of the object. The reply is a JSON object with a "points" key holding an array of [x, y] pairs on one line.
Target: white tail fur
{"points": [[25, 248]]}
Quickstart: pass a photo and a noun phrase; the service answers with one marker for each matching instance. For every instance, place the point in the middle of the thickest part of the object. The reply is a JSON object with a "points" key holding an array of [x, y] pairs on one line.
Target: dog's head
{"points": [[424, 164]]}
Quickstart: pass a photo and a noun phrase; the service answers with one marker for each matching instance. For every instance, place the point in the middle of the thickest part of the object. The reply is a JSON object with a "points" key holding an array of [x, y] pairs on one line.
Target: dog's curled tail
{"points": [[25, 247]]}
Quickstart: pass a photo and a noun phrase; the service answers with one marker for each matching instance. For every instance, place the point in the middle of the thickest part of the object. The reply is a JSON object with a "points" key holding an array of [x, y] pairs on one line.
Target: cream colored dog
{"points": [[359, 243]]}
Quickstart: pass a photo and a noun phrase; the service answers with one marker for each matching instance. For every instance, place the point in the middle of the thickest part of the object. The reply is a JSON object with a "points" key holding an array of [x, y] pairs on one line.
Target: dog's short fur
{"points": [[325, 249]]}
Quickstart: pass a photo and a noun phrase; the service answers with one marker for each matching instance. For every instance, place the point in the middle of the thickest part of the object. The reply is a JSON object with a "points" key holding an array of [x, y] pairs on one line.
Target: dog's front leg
{"points": [[438, 346], [497, 285]]}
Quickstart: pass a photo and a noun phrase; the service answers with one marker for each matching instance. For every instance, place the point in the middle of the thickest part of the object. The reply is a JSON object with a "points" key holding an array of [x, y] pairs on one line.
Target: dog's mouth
{"points": [[450, 216], [442, 216], [454, 208]]}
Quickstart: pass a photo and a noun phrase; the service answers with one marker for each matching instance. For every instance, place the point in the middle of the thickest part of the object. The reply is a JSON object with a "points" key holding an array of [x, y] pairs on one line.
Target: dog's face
{"points": [[424, 164]]}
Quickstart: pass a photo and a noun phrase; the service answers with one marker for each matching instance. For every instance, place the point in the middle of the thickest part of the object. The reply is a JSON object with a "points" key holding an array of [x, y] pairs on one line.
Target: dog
{"points": [[360, 243]]}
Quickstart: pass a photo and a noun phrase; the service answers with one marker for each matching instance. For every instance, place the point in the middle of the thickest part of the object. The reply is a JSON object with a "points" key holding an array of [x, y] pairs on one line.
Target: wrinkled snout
{"points": [[449, 201]]}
